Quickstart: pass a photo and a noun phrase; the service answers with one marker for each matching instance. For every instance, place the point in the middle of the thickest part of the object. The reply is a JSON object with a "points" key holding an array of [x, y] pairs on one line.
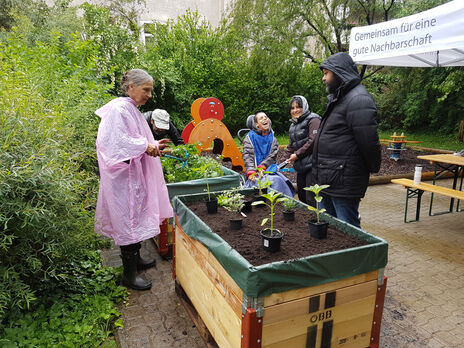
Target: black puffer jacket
{"points": [[347, 148], [298, 136]]}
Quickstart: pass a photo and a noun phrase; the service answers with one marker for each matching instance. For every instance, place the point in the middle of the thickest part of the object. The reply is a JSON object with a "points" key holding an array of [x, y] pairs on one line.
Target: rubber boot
{"points": [[143, 263], [130, 278]]}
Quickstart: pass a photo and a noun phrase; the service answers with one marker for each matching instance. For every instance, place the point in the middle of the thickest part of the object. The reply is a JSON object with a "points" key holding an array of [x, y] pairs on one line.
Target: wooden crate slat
{"points": [[217, 314], [291, 295], [348, 319], [290, 309], [213, 270]]}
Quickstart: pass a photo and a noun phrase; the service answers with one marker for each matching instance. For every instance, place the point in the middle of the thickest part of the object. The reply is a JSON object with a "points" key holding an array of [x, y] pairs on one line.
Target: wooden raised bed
{"points": [[344, 312]]}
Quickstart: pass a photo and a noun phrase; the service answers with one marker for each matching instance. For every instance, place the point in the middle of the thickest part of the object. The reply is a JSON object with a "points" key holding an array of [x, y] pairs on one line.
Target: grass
{"points": [[429, 140]]}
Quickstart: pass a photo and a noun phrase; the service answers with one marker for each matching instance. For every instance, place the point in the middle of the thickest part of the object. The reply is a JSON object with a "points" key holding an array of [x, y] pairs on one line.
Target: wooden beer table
{"points": [[446, 163]]}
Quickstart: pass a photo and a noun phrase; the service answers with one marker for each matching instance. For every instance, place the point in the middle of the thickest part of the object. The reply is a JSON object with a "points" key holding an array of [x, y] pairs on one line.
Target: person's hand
{"points": [[152, 150], [292, 158], [163, 143], [251, 175]]}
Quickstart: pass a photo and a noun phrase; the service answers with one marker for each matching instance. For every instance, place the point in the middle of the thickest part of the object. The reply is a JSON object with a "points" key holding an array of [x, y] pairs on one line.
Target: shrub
{"points": [[48, 93]]}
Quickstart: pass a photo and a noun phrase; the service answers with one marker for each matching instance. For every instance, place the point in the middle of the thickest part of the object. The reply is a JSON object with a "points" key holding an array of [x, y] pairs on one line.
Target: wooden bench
{"points": [[416, 191]]}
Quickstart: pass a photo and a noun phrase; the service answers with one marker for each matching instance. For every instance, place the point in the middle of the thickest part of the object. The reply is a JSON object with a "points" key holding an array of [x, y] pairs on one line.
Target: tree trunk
{"points": [[461, 131]]}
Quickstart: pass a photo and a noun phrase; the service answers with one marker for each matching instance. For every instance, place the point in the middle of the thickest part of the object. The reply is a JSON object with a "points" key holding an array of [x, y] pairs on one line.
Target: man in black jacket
{"points": [[347, 147], [161, 126]]}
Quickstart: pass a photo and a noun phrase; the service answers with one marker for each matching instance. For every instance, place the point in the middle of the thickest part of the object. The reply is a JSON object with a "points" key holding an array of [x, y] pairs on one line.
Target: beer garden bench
{"points": [[416, 191]]}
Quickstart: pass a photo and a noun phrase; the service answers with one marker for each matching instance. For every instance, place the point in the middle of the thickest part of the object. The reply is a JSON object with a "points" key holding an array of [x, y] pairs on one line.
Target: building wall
{"points": [[163, 10]]}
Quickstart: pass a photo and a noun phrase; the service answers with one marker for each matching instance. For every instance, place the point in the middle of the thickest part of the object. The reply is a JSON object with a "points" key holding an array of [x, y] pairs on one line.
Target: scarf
{"points": [[262, 145], [305, 106]]}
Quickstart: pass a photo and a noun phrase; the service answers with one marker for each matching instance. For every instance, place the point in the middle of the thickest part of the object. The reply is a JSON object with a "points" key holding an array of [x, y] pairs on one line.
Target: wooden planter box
{"points": [[230, 179], [238, 311]]}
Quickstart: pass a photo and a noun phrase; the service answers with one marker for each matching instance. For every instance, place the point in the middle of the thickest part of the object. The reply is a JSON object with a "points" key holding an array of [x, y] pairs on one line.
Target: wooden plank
{"points": [[213, 270], [291, 295], [430, 188], [350, 340], [351, 320], [210, 303], [444, 158], [199, 323], [301, 306]]}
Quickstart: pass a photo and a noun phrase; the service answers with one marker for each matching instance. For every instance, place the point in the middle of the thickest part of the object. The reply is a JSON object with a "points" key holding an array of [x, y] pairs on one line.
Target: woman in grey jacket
{"points": [[260, 149]]}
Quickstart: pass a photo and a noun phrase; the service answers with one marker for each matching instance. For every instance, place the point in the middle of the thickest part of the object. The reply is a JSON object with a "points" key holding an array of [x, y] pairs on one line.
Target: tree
{"points": [[314, 28]]}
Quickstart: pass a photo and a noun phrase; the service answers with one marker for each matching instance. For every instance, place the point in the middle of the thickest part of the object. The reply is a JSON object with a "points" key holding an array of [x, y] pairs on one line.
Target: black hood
{"points": [[342, 65]]}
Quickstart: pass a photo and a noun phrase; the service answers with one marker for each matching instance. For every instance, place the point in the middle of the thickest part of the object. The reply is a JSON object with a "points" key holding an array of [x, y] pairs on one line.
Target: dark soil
{"points": [[405, 165], [296, 242]]}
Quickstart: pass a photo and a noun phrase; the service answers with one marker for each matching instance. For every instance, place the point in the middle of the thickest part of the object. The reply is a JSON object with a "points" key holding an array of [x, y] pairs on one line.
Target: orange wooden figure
{"points": [[207, 128]]}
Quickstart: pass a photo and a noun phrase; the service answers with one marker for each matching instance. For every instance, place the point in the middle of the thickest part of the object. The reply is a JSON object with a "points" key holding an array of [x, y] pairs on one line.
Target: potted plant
{"points": [[232, 200], [271, 237], [317, 229], [211, 202], [289, 209], [262, 183], [247, 207]]}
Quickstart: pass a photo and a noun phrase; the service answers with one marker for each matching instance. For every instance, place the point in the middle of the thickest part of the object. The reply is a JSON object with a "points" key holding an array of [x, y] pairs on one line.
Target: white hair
{"points": [[135, 76]]}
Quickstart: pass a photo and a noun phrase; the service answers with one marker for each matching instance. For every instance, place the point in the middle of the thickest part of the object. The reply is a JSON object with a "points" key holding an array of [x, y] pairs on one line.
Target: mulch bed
{"points": [[296, 242]]}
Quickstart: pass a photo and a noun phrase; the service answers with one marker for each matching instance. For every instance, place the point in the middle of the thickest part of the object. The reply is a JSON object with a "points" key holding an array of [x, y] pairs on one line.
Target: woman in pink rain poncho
{"points": [[133, 199]]}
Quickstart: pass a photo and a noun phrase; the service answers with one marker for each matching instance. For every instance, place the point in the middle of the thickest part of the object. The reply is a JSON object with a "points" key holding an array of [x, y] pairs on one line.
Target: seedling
{"points": [[316, 189], [261, 179], [231, 200], [289, 204], [208, 169], [273, 197]]}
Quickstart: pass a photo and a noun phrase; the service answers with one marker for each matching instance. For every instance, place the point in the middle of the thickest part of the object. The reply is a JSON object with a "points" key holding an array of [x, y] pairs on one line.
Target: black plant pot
{"points": [[318, 230], [256, 191], [247, 207], [289, 215], [212, 206], [271, 244], [235, 224]]}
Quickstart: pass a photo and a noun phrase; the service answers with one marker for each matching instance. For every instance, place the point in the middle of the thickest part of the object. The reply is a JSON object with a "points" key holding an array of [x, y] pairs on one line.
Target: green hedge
{"points": [[48, 250]]}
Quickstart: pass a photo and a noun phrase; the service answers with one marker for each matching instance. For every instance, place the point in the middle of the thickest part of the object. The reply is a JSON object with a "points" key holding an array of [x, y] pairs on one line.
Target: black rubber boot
{"points": [[130, 278], [143, 263]]}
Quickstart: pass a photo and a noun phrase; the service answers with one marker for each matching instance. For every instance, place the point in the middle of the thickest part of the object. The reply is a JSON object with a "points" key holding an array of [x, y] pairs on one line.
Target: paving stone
{"points": [[435, 342]]}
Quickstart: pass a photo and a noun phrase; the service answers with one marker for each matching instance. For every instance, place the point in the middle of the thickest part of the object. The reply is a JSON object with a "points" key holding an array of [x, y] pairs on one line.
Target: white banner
{"points": [[430, 38]]}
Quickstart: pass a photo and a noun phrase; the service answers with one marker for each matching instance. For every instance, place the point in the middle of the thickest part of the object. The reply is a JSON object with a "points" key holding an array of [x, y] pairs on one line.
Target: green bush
{"points": [[50, 274], [82, 314], [419, 99], [189, 60]]}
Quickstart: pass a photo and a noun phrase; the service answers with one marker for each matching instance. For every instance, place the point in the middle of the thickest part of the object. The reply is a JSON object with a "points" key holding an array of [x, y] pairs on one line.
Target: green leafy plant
{"points": [[52, 285], [261, 180], [273, 197], [289, 204], [232, 200], [316, 189], [173, 171]]}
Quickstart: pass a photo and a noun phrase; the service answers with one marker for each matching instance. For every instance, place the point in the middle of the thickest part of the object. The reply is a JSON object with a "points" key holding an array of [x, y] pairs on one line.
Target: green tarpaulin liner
{"points": [[228, 180], [263, 280]]}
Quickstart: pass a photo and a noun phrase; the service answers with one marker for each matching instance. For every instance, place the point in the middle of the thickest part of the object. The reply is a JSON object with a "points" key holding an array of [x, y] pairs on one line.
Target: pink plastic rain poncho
{"points": [[133, 198]]}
